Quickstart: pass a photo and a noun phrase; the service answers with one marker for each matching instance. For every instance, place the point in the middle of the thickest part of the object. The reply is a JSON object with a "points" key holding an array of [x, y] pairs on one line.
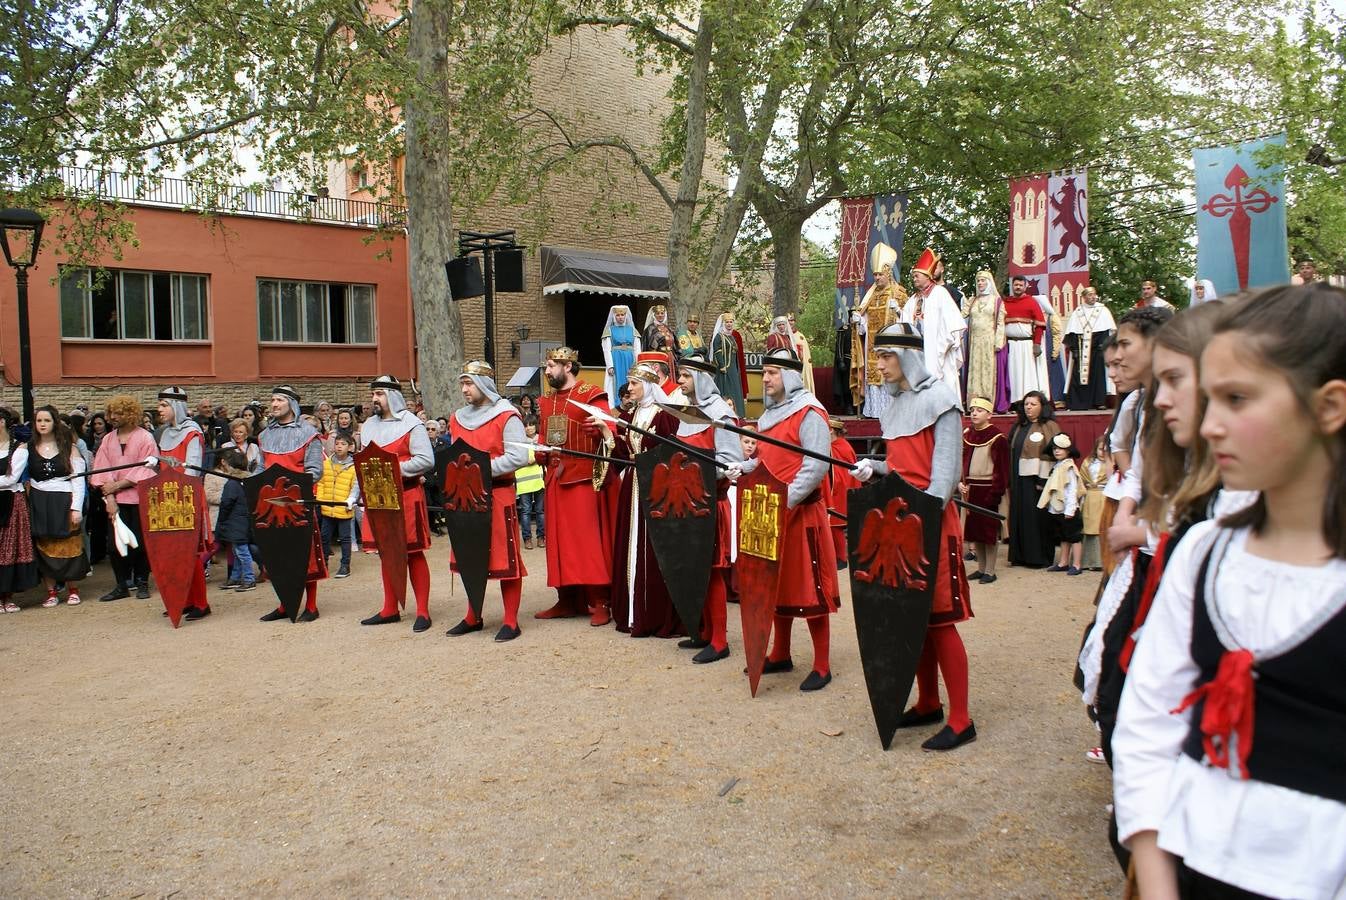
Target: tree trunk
{"points": [[683, 297], [786, 241], [440, 348]]}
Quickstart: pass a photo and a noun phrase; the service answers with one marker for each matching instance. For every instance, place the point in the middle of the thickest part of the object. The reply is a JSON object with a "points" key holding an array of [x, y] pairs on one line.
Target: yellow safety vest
{"points": [[528, 479]]}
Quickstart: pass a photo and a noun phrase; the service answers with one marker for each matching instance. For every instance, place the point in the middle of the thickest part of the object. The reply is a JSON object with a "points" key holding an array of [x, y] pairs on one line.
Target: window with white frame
{"points": [[127, 305], [314, 312]]}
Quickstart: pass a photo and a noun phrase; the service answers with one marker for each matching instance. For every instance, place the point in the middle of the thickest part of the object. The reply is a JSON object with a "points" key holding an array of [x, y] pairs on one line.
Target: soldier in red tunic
{"points": [[491, 423], [921, 429], [182, 441], [579, 549], [696, 375], [807, 585], [397, 430], [292, 443], [985, 480]]}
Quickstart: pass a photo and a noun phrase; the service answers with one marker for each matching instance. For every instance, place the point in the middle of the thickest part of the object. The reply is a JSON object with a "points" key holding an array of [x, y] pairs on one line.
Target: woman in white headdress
{"points": [[724, 354], [621, 344], [985, 314], [640, 602], [1203, 291]]}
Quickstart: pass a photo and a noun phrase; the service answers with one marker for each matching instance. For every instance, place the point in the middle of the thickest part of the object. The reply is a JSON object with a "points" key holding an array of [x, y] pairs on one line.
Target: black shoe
{"points": [[197, 612], [975, 576], [692, 643], [308, 615], [816, 682], [343, 572], [771, 667], [948, 739], [377, 619], [987, 579], [422, 624], [709, 655], [463, 628], [912, 719], [142, 590], [118, 593], [506, 633], [274, 616], [971, 556]]}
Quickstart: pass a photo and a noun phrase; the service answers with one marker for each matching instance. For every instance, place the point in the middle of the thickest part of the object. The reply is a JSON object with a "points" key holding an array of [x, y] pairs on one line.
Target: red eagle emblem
{"points": [[677, 489], [892, 548], [464, 488], [280, 505]]}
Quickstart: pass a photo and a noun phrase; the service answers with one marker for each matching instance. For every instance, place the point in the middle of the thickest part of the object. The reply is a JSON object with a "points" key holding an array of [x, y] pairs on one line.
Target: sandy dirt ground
{"points": [[232, 757]]}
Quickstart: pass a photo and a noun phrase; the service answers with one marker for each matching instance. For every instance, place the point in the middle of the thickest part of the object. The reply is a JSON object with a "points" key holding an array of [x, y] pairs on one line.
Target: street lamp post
{"points": [[21, 238]]}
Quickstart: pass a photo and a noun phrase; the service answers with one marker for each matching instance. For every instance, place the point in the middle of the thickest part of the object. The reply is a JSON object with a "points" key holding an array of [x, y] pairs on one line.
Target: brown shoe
{"points": [[528, 544], [542, 543]]}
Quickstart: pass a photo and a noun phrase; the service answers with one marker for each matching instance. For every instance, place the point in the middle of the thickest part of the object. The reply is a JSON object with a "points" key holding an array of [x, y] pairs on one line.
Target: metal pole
{"points": [[25, 345], [488, 262]]}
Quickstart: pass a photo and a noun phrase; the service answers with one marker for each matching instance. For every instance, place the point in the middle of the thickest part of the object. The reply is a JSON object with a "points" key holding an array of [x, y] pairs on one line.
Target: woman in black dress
{"points": [[1030, 529], [57, 505], [18, 565]]}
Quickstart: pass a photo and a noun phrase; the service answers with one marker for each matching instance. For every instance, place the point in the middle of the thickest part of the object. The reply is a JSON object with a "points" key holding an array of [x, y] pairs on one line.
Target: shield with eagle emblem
{"points": [[465, 473], [380, 477], [677, 505], [280, 503], [172, 514], [893, 538]]}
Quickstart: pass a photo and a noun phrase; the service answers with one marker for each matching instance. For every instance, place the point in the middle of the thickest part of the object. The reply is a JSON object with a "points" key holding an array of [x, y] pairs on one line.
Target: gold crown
{"points": [[563, 354], [645, 372], [477, 367]]}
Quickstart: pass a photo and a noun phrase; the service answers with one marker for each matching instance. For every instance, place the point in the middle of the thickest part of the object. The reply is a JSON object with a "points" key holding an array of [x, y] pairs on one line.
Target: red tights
{"points": [[943, 651], [310, 597], [820, 630], [419, 570], [717, 611], [511, 592]]}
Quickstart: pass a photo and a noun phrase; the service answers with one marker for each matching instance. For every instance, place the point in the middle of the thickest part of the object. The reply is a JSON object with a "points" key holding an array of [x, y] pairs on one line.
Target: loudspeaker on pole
{"points": [[509, 271], [465, 279]]}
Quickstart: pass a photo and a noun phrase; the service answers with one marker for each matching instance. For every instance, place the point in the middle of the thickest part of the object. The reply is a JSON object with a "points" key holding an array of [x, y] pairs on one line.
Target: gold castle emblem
{"points": [[759, 527], [378, 484], [171, 512]]}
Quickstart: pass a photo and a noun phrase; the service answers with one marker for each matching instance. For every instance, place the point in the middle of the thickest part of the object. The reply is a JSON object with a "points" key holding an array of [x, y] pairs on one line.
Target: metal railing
{"points": [[179, 193]]}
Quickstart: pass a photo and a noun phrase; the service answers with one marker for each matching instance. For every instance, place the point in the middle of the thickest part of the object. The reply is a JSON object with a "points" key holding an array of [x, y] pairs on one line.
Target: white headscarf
{"points": [[612, 320], [1210, 291]]}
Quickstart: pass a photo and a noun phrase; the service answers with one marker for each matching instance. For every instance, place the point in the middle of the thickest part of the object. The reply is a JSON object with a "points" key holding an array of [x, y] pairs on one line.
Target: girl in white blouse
{"points": [[1230, 749]]}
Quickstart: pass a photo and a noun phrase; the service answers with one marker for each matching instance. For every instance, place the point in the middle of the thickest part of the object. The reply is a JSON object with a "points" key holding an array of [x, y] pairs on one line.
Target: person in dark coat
{"points": [[233, 528]]}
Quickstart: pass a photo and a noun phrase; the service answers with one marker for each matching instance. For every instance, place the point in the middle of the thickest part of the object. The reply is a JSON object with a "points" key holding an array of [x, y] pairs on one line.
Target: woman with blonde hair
{"points": [[126, 443]]}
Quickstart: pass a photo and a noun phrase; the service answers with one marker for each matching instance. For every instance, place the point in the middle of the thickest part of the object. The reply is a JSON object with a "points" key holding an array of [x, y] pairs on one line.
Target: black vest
{"points": [[1299, 704]]}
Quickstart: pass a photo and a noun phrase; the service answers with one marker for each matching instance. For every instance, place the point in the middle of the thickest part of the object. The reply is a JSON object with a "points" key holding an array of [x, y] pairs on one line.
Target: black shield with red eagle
{"points": [[284, 519], [465, 473], [677, 505], [893, 538], [761, 526]]}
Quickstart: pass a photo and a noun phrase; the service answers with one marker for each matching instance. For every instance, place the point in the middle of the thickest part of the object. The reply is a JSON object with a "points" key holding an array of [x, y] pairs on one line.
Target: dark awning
{"points": [[602, 272]]}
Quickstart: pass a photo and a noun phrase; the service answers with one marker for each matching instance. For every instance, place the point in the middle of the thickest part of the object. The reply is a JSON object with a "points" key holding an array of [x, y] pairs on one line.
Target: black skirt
{"points": [[60, 551]]}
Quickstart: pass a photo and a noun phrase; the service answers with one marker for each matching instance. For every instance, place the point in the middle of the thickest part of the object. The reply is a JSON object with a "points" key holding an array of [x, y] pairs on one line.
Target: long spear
{"points": [[608, 417], [693, 416], [541, 448]]}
